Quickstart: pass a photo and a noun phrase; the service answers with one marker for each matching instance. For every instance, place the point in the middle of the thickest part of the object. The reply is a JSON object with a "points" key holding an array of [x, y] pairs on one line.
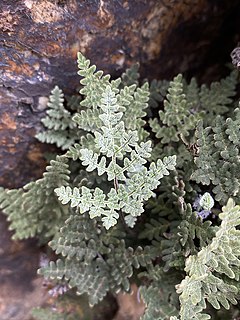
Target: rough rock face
{"points": [[21, 289], [39, 40]]}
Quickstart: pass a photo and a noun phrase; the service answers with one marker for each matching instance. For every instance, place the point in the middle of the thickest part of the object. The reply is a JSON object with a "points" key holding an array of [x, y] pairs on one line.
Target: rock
{"points": [[39, 40]]}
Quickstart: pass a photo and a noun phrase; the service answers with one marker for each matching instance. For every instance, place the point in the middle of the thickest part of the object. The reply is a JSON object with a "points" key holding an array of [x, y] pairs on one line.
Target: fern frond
{"points": [[95, 260], [129, 197], [232, 128], [140, 102], [62, 140], [88, 120], [218, 157], [216, 99], [57, 116], [94, 83], [114, 143], [34, 209], [87, 278], [191, 91], [60, 129], [181, 242], [176, 119], [131, 75], [160, 297], [156, 306], [204, 282]]}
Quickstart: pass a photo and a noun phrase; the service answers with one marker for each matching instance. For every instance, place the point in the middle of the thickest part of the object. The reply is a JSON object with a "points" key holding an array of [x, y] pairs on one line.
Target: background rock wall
{"points": [[39, 40]]}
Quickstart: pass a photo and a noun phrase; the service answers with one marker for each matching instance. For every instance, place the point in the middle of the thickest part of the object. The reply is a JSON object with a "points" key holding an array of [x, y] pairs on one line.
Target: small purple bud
{"points": [[204, 214], [196, 204], [43, 260]]}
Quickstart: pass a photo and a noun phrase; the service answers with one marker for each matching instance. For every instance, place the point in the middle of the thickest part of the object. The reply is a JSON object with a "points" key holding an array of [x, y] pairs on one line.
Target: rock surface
{"points": [[39, 40], [20, 288]]}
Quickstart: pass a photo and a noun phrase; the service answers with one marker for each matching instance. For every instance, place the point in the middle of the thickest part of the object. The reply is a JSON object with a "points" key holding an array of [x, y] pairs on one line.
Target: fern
{"points": [[177, 119], [94, 83], [95, 261], [158, 306], [218, 157], [58, 122], [88, 120], [181, 244], [34, 209], [160, 297], [117, 205], [216, 99], [114, 142], [204, 281], [131, 75]]}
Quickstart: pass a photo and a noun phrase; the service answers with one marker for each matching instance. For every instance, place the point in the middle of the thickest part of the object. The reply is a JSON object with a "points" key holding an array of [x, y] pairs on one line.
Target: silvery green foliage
{"points": [[157, 88], [218, 161], [90, 198], [160, 296], [132, 99], [34, 209], [131, 75], [216, 99], [60, 129], [204, 281], [122, 157], [177, 118], [184, 105], [94, 260], [181, 242]]}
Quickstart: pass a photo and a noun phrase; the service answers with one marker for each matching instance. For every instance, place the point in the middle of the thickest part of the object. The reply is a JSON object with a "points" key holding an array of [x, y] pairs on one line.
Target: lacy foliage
{"points": [[205, 271], [34, 209], [218, 158], [118, 204]]}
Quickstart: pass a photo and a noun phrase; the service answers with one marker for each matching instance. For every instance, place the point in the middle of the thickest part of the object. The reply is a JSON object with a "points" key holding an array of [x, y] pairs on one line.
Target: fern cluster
{"points": [[34, 209], [218, 159], [94, 260], [132, 195], [205, 271]]}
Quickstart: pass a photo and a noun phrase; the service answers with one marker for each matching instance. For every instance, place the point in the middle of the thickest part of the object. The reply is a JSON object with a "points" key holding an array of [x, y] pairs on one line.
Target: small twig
{"points": [[115, 182]]}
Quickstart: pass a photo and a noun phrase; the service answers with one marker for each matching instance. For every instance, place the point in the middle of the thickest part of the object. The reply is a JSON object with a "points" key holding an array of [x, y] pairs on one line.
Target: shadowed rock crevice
{"points": [[39, 41]]}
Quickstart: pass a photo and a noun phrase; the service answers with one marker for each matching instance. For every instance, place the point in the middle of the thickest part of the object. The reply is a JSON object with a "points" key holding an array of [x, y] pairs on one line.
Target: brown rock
{"points": [[20, 288], [131, 307], [39, 40]]}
